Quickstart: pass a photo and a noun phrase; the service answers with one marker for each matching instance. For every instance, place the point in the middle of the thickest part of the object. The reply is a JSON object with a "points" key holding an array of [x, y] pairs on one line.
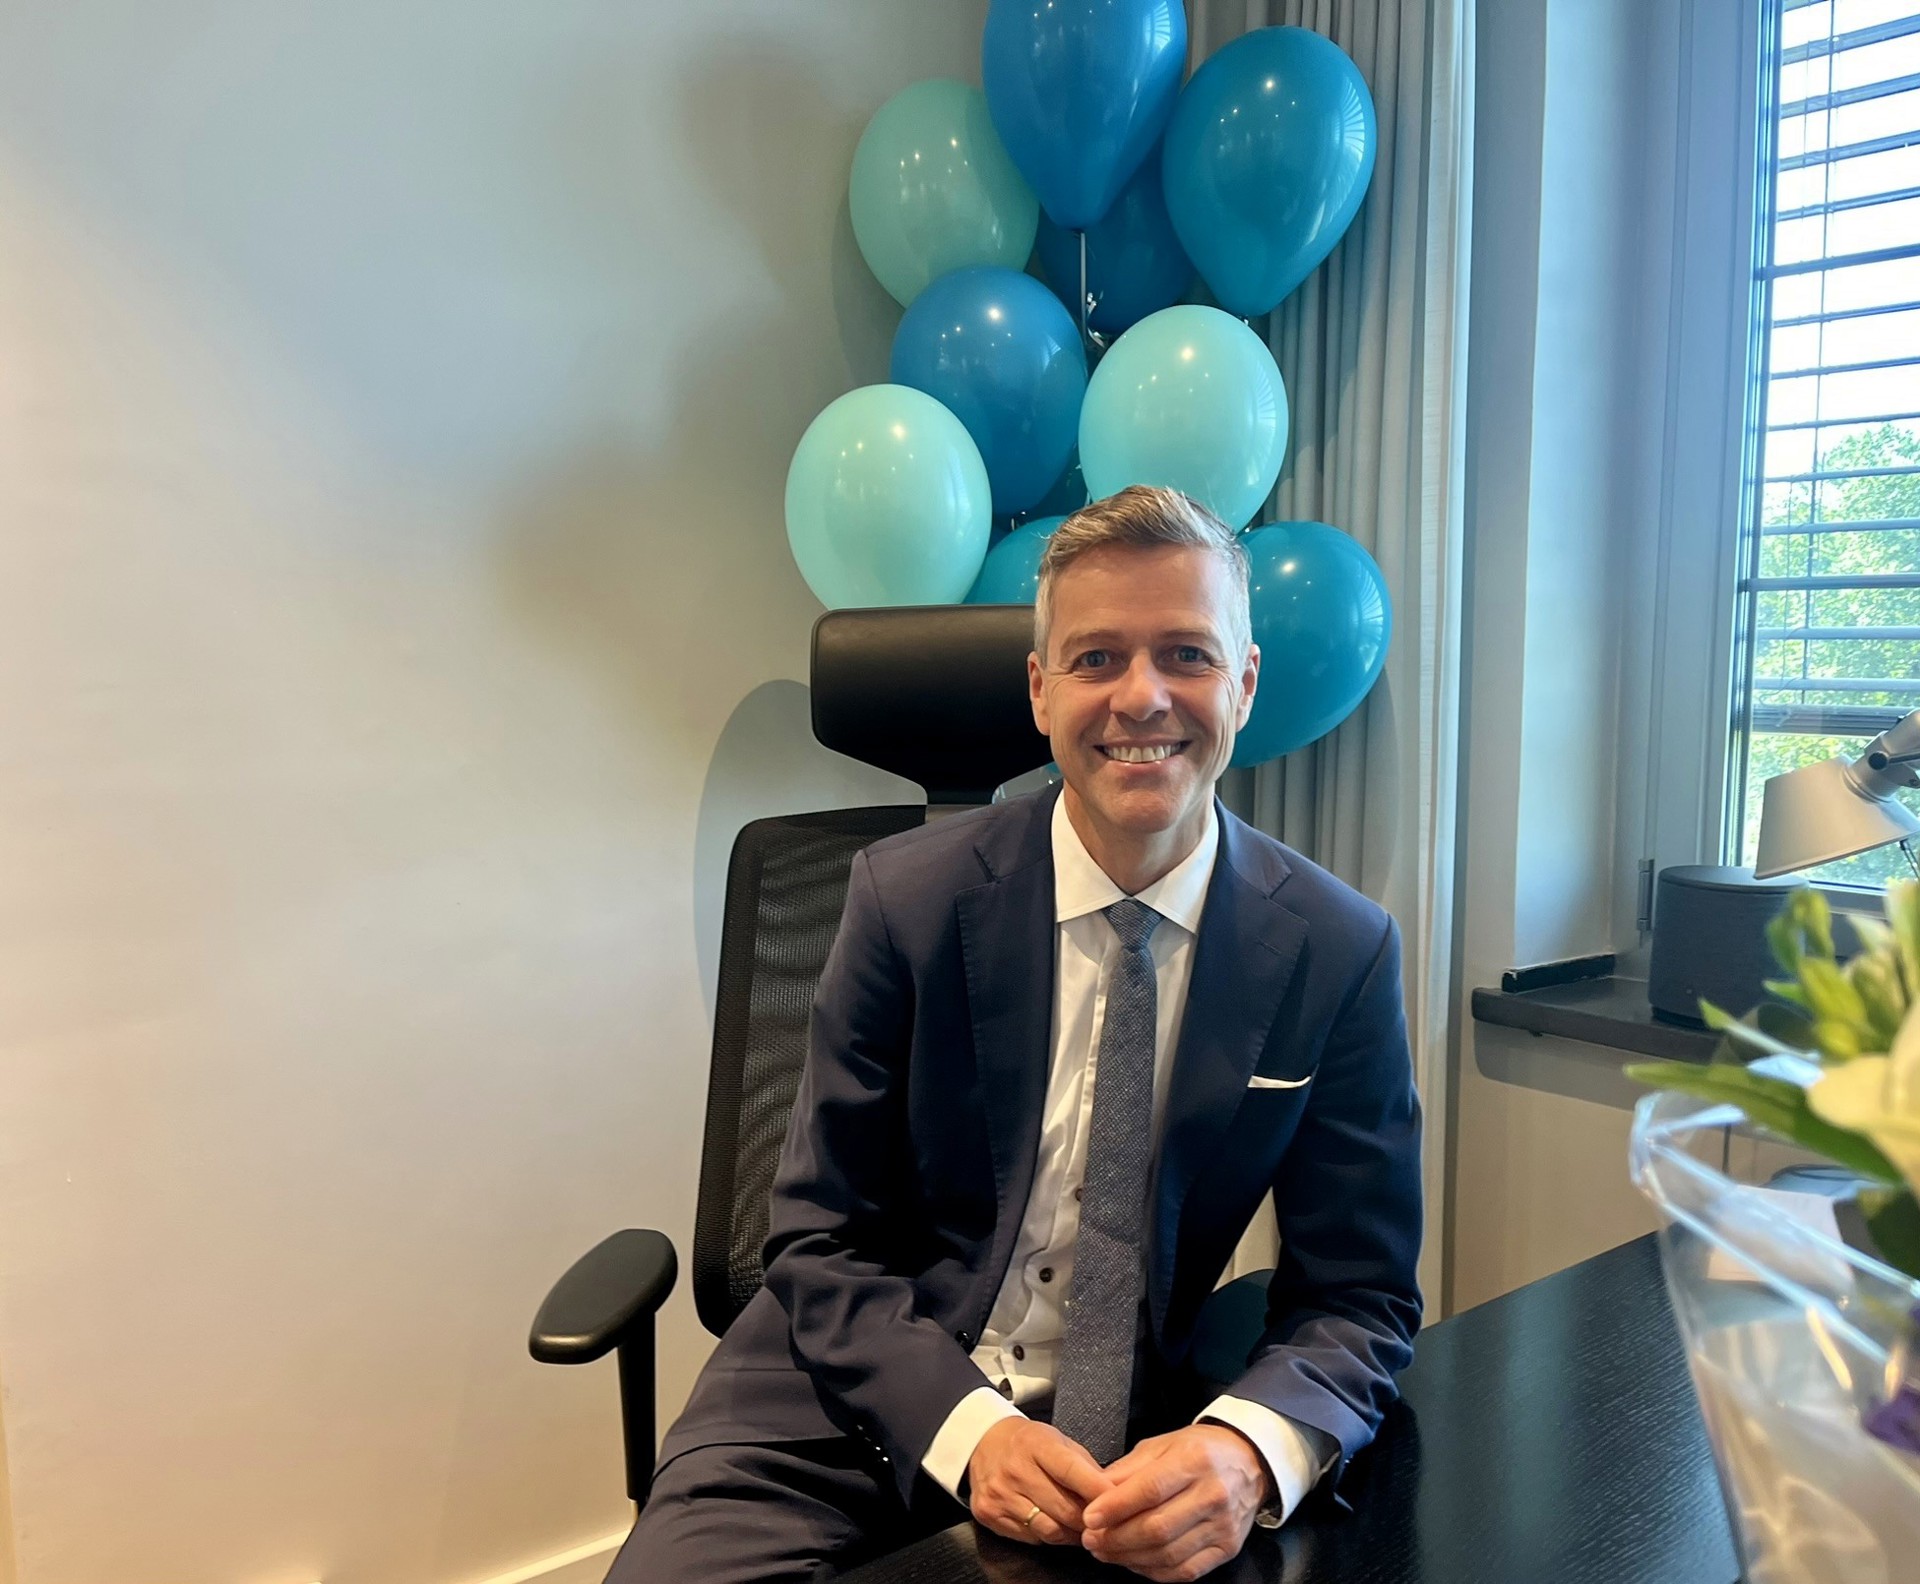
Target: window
{"points": [[1828, 624]]}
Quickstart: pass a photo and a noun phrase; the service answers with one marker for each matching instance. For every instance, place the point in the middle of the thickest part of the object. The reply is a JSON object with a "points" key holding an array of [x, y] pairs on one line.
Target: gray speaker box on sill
{"points": [[1710, 939]]}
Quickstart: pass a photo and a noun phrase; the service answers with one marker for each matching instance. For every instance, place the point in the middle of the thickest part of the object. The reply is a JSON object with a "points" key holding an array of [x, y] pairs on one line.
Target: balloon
{"points": [[1188, 398], [1011, 574], [887, 501], [1266, 161], [1135, 264], [1068, 494], [1322, 621], [996, 349], [932, 189], [1080, 91]]}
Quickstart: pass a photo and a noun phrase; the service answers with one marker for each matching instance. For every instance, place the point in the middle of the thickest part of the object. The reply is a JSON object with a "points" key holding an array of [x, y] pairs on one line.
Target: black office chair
{"points": [[935, 694]]}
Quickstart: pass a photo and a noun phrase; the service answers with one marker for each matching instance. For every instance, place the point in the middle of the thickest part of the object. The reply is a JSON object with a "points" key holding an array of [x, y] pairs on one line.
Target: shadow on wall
{"points": [[656, 561]]}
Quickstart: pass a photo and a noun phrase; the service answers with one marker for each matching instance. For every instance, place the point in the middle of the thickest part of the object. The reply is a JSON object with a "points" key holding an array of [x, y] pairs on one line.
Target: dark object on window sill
{"points": [[1710, 939], [1569, 970], [1612, 1012]]}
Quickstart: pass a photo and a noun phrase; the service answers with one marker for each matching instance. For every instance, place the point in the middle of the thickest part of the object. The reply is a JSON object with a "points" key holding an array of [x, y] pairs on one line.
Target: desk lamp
{"points": [[1841, 806], [1709, 922]]}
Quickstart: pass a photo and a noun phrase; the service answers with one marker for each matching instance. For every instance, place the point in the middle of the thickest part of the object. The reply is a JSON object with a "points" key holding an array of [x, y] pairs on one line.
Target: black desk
{"points": [[1548, 1437]]}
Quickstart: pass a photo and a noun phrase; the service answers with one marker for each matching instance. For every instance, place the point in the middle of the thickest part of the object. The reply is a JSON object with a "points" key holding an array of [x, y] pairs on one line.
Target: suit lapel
{"points": [[1245, 958], [1006, 943]]}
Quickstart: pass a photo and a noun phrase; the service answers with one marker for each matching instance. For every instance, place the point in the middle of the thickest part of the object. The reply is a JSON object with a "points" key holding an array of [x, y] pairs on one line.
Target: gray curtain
{"points": [[1373, 351]]}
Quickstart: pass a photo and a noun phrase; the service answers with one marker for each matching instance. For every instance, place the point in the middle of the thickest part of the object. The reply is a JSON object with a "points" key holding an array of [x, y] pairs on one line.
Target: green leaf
{"points": [[1838, 1041], [1772, 1103], [1903, 915], [1831, 994], [1783, 937], [1786, 990], [1790, 1025], [1875, 936], [1817, 920], [1739, 1032], [1893, 1217], [1877, 979]]}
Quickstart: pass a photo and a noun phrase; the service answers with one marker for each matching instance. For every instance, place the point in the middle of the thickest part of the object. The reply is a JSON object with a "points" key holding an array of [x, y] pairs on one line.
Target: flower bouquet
{"points": [[1801, 1317]]}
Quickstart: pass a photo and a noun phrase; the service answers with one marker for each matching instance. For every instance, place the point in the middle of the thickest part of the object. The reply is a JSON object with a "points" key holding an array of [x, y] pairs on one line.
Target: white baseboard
{"points": [[584, 1564]]}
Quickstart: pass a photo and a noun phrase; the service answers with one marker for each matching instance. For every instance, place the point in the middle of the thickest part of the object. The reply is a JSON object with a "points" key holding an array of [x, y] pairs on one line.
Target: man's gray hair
{"points": [[1143, 515]]}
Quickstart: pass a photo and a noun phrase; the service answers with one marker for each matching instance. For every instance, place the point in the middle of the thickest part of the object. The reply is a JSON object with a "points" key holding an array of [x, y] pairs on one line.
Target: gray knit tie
{"points": [[1095, 1378]]}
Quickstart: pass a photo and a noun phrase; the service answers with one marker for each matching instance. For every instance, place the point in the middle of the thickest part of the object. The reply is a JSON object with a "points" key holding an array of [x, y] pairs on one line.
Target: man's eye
{"points": [[1190, 655], [1092, 660]]}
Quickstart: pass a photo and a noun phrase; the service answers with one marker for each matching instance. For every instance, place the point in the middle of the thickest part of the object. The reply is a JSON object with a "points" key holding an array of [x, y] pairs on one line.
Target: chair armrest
{"points": [[621, 1280]]}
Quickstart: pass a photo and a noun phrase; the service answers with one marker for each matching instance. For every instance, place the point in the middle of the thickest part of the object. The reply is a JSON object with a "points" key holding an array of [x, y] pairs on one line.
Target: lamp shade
{"points": [[1818, 813]]}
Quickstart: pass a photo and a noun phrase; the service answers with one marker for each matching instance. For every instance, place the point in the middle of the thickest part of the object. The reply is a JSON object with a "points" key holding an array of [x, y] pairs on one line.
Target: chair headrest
{"points": [[935, 693]]}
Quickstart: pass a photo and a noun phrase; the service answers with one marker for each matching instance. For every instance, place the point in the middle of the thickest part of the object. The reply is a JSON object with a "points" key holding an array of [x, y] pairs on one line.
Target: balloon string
{"points": [[1083, 286], [1091, 339]]}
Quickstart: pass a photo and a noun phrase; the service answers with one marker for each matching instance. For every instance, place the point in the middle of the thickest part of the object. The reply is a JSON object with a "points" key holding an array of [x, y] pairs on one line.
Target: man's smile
{"points": [[1142, 753]]}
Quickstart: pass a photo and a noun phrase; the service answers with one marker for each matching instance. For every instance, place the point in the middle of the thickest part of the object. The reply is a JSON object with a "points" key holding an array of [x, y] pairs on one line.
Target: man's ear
{"points": [[1037, 695], [1249, 682]]}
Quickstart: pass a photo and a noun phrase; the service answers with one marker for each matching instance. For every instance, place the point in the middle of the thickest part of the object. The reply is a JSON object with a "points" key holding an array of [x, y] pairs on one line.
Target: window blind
{"points": [[1829, 608]]}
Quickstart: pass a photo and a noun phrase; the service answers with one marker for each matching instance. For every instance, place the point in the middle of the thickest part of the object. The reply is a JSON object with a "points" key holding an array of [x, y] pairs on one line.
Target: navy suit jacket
{"points": [[914, 1136]]}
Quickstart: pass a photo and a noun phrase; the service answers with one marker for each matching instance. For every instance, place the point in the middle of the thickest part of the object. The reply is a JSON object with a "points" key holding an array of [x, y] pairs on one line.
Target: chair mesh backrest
{"points": [[786, 886]]}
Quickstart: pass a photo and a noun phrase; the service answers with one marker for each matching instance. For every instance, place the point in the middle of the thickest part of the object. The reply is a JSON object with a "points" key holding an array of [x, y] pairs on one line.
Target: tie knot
{"points": [[1133, 921]]}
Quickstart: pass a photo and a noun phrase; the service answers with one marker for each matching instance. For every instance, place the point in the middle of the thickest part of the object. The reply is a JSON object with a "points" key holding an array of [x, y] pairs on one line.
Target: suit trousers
{"points": [[782, 1513]]}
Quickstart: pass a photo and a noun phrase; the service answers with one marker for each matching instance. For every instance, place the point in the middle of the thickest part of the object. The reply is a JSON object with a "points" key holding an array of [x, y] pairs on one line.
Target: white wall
{"points": [[395, 623], [1567, 376], [1613, 207]]}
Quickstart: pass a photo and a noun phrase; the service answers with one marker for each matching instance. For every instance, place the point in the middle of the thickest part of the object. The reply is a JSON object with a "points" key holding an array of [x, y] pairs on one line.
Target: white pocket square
{"points": [[1280, 1083]]}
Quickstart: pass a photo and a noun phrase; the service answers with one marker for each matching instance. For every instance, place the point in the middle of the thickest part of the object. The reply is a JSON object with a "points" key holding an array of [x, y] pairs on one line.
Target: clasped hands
{"points": [[1174, 1508]]}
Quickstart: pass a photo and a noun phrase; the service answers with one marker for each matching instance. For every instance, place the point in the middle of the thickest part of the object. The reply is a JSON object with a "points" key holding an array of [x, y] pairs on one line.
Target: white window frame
{"points": [[1688, 733]]}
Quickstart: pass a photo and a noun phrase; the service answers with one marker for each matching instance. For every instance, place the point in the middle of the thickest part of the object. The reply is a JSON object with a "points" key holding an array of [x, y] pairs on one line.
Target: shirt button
{"points": [[1019, 1353], [965, 1339], [1076, 1196], [1006, 1389], [1046, 1273]]}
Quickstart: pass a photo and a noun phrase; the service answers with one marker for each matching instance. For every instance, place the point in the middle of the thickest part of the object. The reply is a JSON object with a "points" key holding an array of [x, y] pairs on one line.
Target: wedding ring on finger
{"points": [[1027, 1522]]}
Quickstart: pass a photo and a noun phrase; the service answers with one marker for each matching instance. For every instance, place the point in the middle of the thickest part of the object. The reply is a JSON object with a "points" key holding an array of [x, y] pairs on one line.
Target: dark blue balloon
{"points": [[1322, 621], [1135, 264], [997, 349], [1266, 161], [1080, 91], [1011, 573], [1068, 494]]}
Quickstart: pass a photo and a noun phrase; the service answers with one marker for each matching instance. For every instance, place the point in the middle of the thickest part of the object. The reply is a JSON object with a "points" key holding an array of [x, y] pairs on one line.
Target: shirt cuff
{"points": [[1296, 1455], [953, 1443]]}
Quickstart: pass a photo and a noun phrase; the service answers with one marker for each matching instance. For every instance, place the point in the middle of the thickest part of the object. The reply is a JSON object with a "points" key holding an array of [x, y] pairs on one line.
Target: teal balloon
{"points": [[888, 502], [1011, 573], [1190, 399], [1322, 620], [933, 190], [1266, 161]]}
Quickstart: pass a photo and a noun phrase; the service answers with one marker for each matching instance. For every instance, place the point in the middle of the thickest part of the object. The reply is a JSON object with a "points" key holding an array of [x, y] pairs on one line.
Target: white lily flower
{"points": [[1879, 1097]]}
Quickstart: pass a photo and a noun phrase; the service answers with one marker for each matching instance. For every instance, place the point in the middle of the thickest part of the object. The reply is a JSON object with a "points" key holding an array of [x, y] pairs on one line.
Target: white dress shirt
{"points": [[1019, 1351]]}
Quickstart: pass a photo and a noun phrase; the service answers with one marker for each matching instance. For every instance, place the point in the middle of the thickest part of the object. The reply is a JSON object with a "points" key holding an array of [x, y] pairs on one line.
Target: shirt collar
{"points": [[1081, 886]]}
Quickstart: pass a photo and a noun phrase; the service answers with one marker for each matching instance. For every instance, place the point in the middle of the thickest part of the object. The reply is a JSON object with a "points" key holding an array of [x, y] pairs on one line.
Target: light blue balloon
{"points": [[888, 502], [1011, 575], [1267, 158], [996, 349], [1191, 399], [1135, 264], [1080, 91], [1322, 620], [932, 189]]}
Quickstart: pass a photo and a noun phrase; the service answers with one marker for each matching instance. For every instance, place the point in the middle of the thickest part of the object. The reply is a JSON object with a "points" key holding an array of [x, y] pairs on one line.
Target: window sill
{"points": [[1611, 1011]]}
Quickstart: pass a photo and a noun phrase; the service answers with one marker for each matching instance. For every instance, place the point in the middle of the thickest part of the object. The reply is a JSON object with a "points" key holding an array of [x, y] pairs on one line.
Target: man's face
{"points": [[1139, 691]]}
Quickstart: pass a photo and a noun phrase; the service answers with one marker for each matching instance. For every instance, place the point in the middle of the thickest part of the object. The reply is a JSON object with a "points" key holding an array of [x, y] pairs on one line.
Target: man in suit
{"points": [[1061, 1050]]}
